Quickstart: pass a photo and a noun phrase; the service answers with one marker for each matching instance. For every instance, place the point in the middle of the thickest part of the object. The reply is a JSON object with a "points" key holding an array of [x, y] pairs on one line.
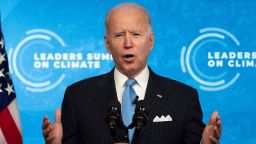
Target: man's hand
{"points": [[212, 132], [52, 132]]}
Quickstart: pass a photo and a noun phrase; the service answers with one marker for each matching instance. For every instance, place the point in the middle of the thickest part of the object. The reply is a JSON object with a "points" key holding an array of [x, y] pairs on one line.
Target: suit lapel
{"points": [[155, 96], [105, 91]]}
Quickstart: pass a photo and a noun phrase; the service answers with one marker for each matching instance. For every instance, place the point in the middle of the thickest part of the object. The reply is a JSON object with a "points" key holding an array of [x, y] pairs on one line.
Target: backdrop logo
{"points": [[214, 59], [42, 57]]}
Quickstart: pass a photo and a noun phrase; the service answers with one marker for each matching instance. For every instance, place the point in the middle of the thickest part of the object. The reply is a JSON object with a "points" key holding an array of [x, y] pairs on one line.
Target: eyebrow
{"points": [[123, 32]]}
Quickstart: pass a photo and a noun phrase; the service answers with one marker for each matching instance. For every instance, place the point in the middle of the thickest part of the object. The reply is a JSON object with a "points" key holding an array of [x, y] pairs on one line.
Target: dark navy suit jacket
{"points": [[86, 104]]}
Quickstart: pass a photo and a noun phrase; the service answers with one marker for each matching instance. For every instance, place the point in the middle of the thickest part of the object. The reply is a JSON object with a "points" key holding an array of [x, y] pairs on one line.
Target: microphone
{"points": [[113, 120], [113, 116], [135, 100], [140, 119]]}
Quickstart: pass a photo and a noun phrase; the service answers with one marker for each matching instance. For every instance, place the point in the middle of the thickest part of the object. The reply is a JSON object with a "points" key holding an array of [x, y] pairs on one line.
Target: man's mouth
{"points": [[129, 57]]}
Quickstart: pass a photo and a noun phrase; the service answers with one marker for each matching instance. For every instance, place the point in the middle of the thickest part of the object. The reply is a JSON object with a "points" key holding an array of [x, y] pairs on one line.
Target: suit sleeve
{"points": [[69, 119], [194, 124]]}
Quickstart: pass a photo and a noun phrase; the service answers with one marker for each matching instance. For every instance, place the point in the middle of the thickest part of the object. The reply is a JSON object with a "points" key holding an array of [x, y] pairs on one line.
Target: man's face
{"points": [[129, 40]]}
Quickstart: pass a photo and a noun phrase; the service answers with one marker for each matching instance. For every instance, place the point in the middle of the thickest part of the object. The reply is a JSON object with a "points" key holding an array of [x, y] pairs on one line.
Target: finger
{"points": [[211, 130], [217, 133], [50, 138], [214, 140], [47, 130], [45, 118], [213, 118], [57, 115], [219, 126], [46, 122]]}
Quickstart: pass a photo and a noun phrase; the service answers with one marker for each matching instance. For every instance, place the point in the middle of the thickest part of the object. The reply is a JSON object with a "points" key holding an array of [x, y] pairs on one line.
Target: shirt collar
{"points": [[142, 78]]}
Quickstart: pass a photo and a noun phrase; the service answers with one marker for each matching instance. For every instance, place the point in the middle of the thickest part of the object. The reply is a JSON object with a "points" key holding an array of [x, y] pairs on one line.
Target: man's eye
{"points": [[136, 34], [118, 35]]}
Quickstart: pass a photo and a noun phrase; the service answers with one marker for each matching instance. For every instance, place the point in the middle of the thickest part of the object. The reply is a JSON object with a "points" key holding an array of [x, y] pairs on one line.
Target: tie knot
{"points": [[130, 82]]}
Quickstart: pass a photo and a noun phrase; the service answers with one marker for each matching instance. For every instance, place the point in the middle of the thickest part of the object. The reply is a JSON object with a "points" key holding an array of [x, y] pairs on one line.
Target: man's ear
{"points": [[151, 40], [106, 39]]}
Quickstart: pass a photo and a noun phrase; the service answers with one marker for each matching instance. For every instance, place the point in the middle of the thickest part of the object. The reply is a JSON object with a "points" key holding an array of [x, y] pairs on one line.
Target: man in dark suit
{"points": [[174, 111]]}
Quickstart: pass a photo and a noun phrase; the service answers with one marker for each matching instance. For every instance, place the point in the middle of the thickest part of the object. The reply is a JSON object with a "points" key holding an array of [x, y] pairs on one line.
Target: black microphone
{"points": [[135, 100], [113, 120], [140, 119], [113, 117]]}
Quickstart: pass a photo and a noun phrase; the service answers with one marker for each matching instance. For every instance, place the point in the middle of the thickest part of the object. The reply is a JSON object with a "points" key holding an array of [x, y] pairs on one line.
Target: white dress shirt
{"points": [[139, 87]]}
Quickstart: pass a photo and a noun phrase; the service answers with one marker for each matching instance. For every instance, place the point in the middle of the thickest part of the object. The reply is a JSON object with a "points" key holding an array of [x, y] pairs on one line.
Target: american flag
{"points": [[10, 127]]}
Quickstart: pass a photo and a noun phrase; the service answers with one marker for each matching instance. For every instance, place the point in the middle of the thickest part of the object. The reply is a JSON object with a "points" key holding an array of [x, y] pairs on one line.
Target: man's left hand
{"points": [[212, 132]]}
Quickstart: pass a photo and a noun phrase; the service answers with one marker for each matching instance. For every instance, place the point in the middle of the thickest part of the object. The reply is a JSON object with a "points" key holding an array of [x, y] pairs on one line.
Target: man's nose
{"points": [[128, 41]]}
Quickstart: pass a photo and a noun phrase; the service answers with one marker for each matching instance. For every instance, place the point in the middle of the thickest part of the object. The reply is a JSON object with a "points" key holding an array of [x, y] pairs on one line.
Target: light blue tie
{"points": [[128, 107]]}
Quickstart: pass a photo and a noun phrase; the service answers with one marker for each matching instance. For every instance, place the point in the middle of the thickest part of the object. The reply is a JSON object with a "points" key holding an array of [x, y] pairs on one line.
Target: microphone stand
{"points": [[118, 131], [140, 119]]}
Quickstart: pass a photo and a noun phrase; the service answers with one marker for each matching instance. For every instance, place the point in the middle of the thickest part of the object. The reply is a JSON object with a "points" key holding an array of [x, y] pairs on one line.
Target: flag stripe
{"points": [[2, 139], [13, 108], [9, 128]]}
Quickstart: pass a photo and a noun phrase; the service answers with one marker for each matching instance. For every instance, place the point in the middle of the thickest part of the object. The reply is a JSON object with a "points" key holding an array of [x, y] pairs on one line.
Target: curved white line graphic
{"points": [[14, 57], [49, 87], [182, 57], [194, 61], [188, 57], [10, 62], [220, 30], [221, 87], [44, 31]]}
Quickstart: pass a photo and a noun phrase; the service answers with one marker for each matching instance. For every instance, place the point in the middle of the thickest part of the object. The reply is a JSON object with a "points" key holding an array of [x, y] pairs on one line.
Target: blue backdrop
{"points": [[208, 44]]}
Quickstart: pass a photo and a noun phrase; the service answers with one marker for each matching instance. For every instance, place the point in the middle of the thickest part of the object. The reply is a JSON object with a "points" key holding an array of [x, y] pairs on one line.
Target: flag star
{"points": [[1, 42], [2, 73], [9, 89], [1, 88], [2, 58]]}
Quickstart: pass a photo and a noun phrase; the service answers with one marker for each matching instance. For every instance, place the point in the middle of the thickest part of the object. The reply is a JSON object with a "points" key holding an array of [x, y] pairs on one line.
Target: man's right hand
{"points": [[52, 132]]}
